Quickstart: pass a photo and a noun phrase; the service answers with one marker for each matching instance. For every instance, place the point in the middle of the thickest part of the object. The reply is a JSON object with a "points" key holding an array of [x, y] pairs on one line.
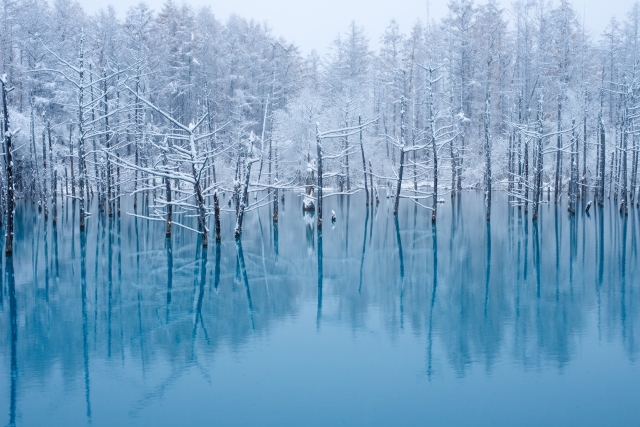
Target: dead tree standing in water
{"points": [[8, 150], [401, 146], [487, 154]]}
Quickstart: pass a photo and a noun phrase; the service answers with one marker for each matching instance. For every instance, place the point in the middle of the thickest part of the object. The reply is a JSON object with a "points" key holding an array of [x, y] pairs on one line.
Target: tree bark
{"points": [[6, 131], [319, 194], [401, 171], [537, 189], [364, 165], [487, 137]]}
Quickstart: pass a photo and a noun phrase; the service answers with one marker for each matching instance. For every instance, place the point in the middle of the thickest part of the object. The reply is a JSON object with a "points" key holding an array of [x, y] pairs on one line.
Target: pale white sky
{"points": [[314, 24]]}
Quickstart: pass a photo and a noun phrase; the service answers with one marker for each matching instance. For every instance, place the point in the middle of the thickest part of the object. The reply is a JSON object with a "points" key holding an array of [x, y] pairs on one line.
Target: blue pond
{"points": [[377, 321]]}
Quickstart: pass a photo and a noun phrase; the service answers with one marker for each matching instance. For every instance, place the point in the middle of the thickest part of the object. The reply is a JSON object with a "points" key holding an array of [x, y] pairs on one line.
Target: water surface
{"points": [[376, 320]]}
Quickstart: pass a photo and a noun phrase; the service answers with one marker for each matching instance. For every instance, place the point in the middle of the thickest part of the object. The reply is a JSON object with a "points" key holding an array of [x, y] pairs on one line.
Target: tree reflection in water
{"points": [[463, 287]]}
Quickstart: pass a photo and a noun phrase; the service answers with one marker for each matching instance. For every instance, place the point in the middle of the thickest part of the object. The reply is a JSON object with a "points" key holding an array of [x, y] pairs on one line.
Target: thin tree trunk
{"points": [[611, 173], [346, 159], [73, 176], [99, 184], [602, 159], [275, 202], [81, 162], [573, 185], [276, 192], [364, 165], [371, 178], [245, 199], [54, 199], [487, 137], [167, 183], [45, 194], [583, 180], [558, 190], [519, 148], [118, 185], [401, 169], [107, 139], [434, 150], [451, 151], [538, 163], [216, 214], [319, 194], [8, 149], [37, 187], [399, 185], [625, 135]]}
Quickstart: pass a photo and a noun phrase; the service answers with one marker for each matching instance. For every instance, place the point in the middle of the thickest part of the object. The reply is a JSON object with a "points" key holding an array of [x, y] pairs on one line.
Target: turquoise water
{"points": [[376, 321]]}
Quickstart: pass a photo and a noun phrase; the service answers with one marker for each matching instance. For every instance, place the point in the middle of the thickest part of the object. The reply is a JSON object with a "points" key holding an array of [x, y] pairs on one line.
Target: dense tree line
{"points": [[178, 109]]}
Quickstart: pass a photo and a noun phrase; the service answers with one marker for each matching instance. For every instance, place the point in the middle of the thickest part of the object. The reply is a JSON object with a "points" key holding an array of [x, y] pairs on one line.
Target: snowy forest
{"points": [[188, 115]]}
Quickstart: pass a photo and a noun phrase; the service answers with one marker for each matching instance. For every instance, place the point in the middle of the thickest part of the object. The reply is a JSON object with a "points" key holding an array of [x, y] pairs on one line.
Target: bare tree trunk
{"points": [[53, 166], [459, 160], [81, 163], [167, 183], [519, 148], [384, 123], [537, 189], [8, 149], [346, 159], [276, 192], [54, 199], [371, 178], [526, 173], [73, 176], [451, 151], [434, 150], [583, 180], [510, 160], [634, 164], [136, 141], [275, 202], [213, 137], [573, 184], [611, 169], [558, 190], [602, 159], [319, 194], [45, 194], [107, 139], [216, 214], [364, 165], [615, 177], [236, 184], [32, 148], [245, 198], [399, 185], [99, 183], [401, 168], [118, 185], [487, 148], [625, 135], [202, 214]]}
